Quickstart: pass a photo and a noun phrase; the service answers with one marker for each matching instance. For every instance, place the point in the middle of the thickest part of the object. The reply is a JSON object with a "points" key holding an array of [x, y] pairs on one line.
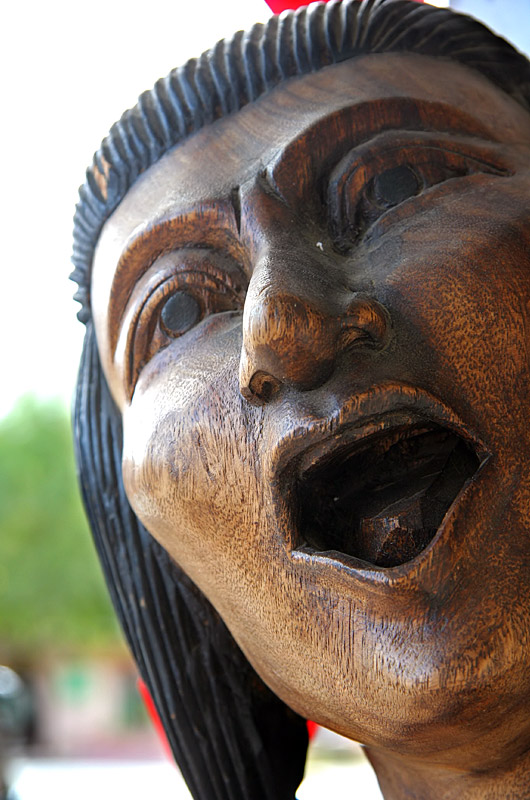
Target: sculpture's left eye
{"points": [[176, 295], [393, 168], [394, 186]]}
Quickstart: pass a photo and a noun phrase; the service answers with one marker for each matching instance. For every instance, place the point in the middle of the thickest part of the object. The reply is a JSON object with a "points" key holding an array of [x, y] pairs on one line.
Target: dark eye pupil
{"points": [[180, 312], [395, 185]]}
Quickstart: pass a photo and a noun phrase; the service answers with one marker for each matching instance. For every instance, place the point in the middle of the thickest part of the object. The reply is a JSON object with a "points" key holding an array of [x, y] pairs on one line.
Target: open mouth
{"points": [[383, 499]]}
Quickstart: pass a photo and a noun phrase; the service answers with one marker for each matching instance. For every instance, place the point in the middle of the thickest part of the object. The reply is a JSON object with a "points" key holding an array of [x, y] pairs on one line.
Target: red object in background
{"points": [[153, 716], [155, 719], [277, 6]]}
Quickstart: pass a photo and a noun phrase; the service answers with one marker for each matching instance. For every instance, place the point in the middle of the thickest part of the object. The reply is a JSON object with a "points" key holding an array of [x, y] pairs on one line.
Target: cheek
{"points": [[461, 308], [190, 463]]}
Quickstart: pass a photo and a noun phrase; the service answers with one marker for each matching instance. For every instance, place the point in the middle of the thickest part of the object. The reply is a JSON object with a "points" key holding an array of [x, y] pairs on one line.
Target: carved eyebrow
{"points": [[211, 226], [319, 145]]}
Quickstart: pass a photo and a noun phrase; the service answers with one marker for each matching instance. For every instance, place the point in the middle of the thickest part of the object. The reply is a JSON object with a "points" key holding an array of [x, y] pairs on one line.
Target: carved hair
{"points": [[239, 70], [232, 738]]}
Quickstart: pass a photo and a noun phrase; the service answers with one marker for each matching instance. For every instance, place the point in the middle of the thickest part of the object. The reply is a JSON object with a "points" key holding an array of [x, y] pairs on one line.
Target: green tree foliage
{"points": [[52, 594]]}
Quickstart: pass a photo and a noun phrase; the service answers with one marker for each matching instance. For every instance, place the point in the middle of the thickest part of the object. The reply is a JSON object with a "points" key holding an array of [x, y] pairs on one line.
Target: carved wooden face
{"points": [[314, 316]]}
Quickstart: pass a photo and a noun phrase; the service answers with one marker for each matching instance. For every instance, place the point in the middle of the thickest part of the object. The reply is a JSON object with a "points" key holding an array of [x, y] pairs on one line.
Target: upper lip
{"points": [[379, 408]]}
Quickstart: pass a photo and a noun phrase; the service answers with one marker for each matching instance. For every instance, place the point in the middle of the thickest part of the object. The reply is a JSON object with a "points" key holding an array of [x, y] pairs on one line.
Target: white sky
{"points": [[68, 70]]}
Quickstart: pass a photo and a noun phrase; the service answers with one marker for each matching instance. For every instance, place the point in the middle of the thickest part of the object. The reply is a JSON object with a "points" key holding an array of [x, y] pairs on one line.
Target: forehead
{"points": [[230, 150]]}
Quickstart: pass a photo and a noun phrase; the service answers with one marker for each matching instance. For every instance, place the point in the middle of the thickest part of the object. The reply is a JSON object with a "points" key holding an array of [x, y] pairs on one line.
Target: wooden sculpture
{"points": [[302, 417]]}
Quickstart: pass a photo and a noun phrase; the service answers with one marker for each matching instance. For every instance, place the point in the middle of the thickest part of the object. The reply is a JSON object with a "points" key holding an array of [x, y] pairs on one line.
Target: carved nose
{"points": [[287, 340]]}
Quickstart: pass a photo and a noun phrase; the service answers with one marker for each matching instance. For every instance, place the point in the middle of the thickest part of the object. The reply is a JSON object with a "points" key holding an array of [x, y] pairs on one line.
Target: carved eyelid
{"points": [[211, 225], [470, 150], [149, 292]]}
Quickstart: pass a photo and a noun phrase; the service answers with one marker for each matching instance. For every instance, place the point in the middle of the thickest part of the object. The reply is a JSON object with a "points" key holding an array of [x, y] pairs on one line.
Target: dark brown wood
{"points": [[313, 318]]}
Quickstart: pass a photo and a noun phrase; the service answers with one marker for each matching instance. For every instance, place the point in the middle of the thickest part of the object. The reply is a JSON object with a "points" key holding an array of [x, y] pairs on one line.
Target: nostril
{"points": [[261, 388], [366, 322]]}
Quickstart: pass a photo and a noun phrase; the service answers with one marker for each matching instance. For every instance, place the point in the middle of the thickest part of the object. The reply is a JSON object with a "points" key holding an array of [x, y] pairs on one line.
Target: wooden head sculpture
{"points": [[302, 412]]}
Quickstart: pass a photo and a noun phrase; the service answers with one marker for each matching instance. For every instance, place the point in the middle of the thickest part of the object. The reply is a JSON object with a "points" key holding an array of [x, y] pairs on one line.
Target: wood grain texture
{"points": [[312, 316]]}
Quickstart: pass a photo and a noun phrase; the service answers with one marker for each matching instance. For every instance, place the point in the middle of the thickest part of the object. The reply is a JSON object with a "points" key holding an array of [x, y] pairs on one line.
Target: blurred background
{"points": [[72, 722]]}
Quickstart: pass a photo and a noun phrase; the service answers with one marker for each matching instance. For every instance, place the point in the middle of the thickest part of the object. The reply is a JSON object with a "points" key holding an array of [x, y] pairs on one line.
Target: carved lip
{"points": [[369, 487]]}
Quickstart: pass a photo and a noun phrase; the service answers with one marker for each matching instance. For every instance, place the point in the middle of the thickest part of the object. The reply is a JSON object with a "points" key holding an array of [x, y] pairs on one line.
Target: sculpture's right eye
{"points": [[180, 313], [178, 292]]}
